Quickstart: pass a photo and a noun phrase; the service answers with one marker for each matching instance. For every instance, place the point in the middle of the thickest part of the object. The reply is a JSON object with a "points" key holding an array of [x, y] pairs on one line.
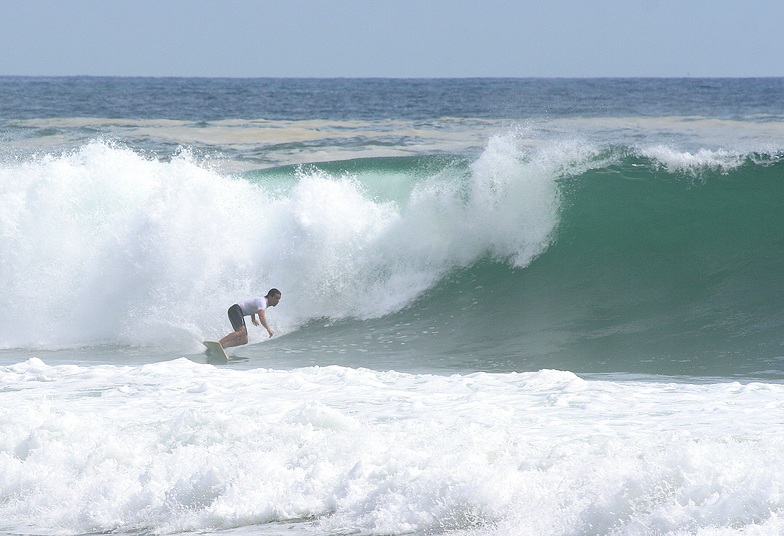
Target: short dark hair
{"points": [[272, 292]]}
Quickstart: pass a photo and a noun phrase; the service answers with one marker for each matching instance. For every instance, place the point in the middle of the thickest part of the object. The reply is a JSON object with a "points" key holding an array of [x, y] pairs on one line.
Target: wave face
{"points": [[586, 257], [663, 265]]}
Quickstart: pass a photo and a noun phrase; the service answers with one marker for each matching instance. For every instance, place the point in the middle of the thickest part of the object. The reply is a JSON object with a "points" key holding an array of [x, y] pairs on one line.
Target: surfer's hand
{"points": [[270, 332]]}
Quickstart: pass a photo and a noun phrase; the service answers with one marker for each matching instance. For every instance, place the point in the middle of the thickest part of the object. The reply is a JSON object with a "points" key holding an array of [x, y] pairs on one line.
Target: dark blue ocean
{"points": [[510, 306]]}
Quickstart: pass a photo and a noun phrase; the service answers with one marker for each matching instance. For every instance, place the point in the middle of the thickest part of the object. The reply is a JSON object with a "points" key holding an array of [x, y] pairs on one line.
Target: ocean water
{"points": [[510, 307]]}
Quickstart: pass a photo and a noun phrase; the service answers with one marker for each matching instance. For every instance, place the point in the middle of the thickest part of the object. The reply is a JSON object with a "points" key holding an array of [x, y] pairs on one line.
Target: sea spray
{"points": [[113, 247], [104, 244]]}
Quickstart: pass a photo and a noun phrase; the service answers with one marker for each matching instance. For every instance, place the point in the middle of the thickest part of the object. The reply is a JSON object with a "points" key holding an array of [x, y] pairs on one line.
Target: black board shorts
{"points": [[236, 318]]}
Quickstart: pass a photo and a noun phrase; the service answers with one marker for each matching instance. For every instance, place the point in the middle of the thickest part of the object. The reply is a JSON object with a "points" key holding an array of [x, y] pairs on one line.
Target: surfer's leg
{"points": [[240, 334], [235, 338]]}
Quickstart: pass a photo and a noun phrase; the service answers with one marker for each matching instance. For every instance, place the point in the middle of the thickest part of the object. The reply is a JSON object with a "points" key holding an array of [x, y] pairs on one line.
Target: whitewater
{"points": [[177, 447], [509, 307], [125, 235]]}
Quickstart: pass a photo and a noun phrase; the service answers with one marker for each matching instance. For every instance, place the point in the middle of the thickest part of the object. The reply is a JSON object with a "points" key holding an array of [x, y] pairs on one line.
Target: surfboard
{"points": [[215, 352]]}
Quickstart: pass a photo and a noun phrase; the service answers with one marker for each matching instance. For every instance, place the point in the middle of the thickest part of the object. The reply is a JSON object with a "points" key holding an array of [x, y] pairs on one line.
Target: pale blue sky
{"points": [[393, 38]]}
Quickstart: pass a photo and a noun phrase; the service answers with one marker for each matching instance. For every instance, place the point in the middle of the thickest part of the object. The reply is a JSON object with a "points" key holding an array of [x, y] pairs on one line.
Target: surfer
{"points": [[250, 307]]}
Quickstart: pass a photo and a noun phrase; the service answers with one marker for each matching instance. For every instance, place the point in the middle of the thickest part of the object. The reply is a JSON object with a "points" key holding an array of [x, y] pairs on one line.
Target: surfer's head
{"points": [[273, 297]]}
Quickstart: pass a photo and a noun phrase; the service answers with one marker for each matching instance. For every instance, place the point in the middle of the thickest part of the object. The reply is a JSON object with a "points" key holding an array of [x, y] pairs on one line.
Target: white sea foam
{"points": [[694, 163], [179, 446], [105, 245]]}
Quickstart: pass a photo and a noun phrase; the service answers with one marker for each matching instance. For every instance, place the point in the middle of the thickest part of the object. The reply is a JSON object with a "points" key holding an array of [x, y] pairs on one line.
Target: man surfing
{"points": [[251, 307]]}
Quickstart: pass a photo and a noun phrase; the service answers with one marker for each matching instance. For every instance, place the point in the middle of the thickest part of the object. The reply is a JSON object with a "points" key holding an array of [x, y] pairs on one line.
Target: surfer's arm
{"points": [[263, 319]]}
